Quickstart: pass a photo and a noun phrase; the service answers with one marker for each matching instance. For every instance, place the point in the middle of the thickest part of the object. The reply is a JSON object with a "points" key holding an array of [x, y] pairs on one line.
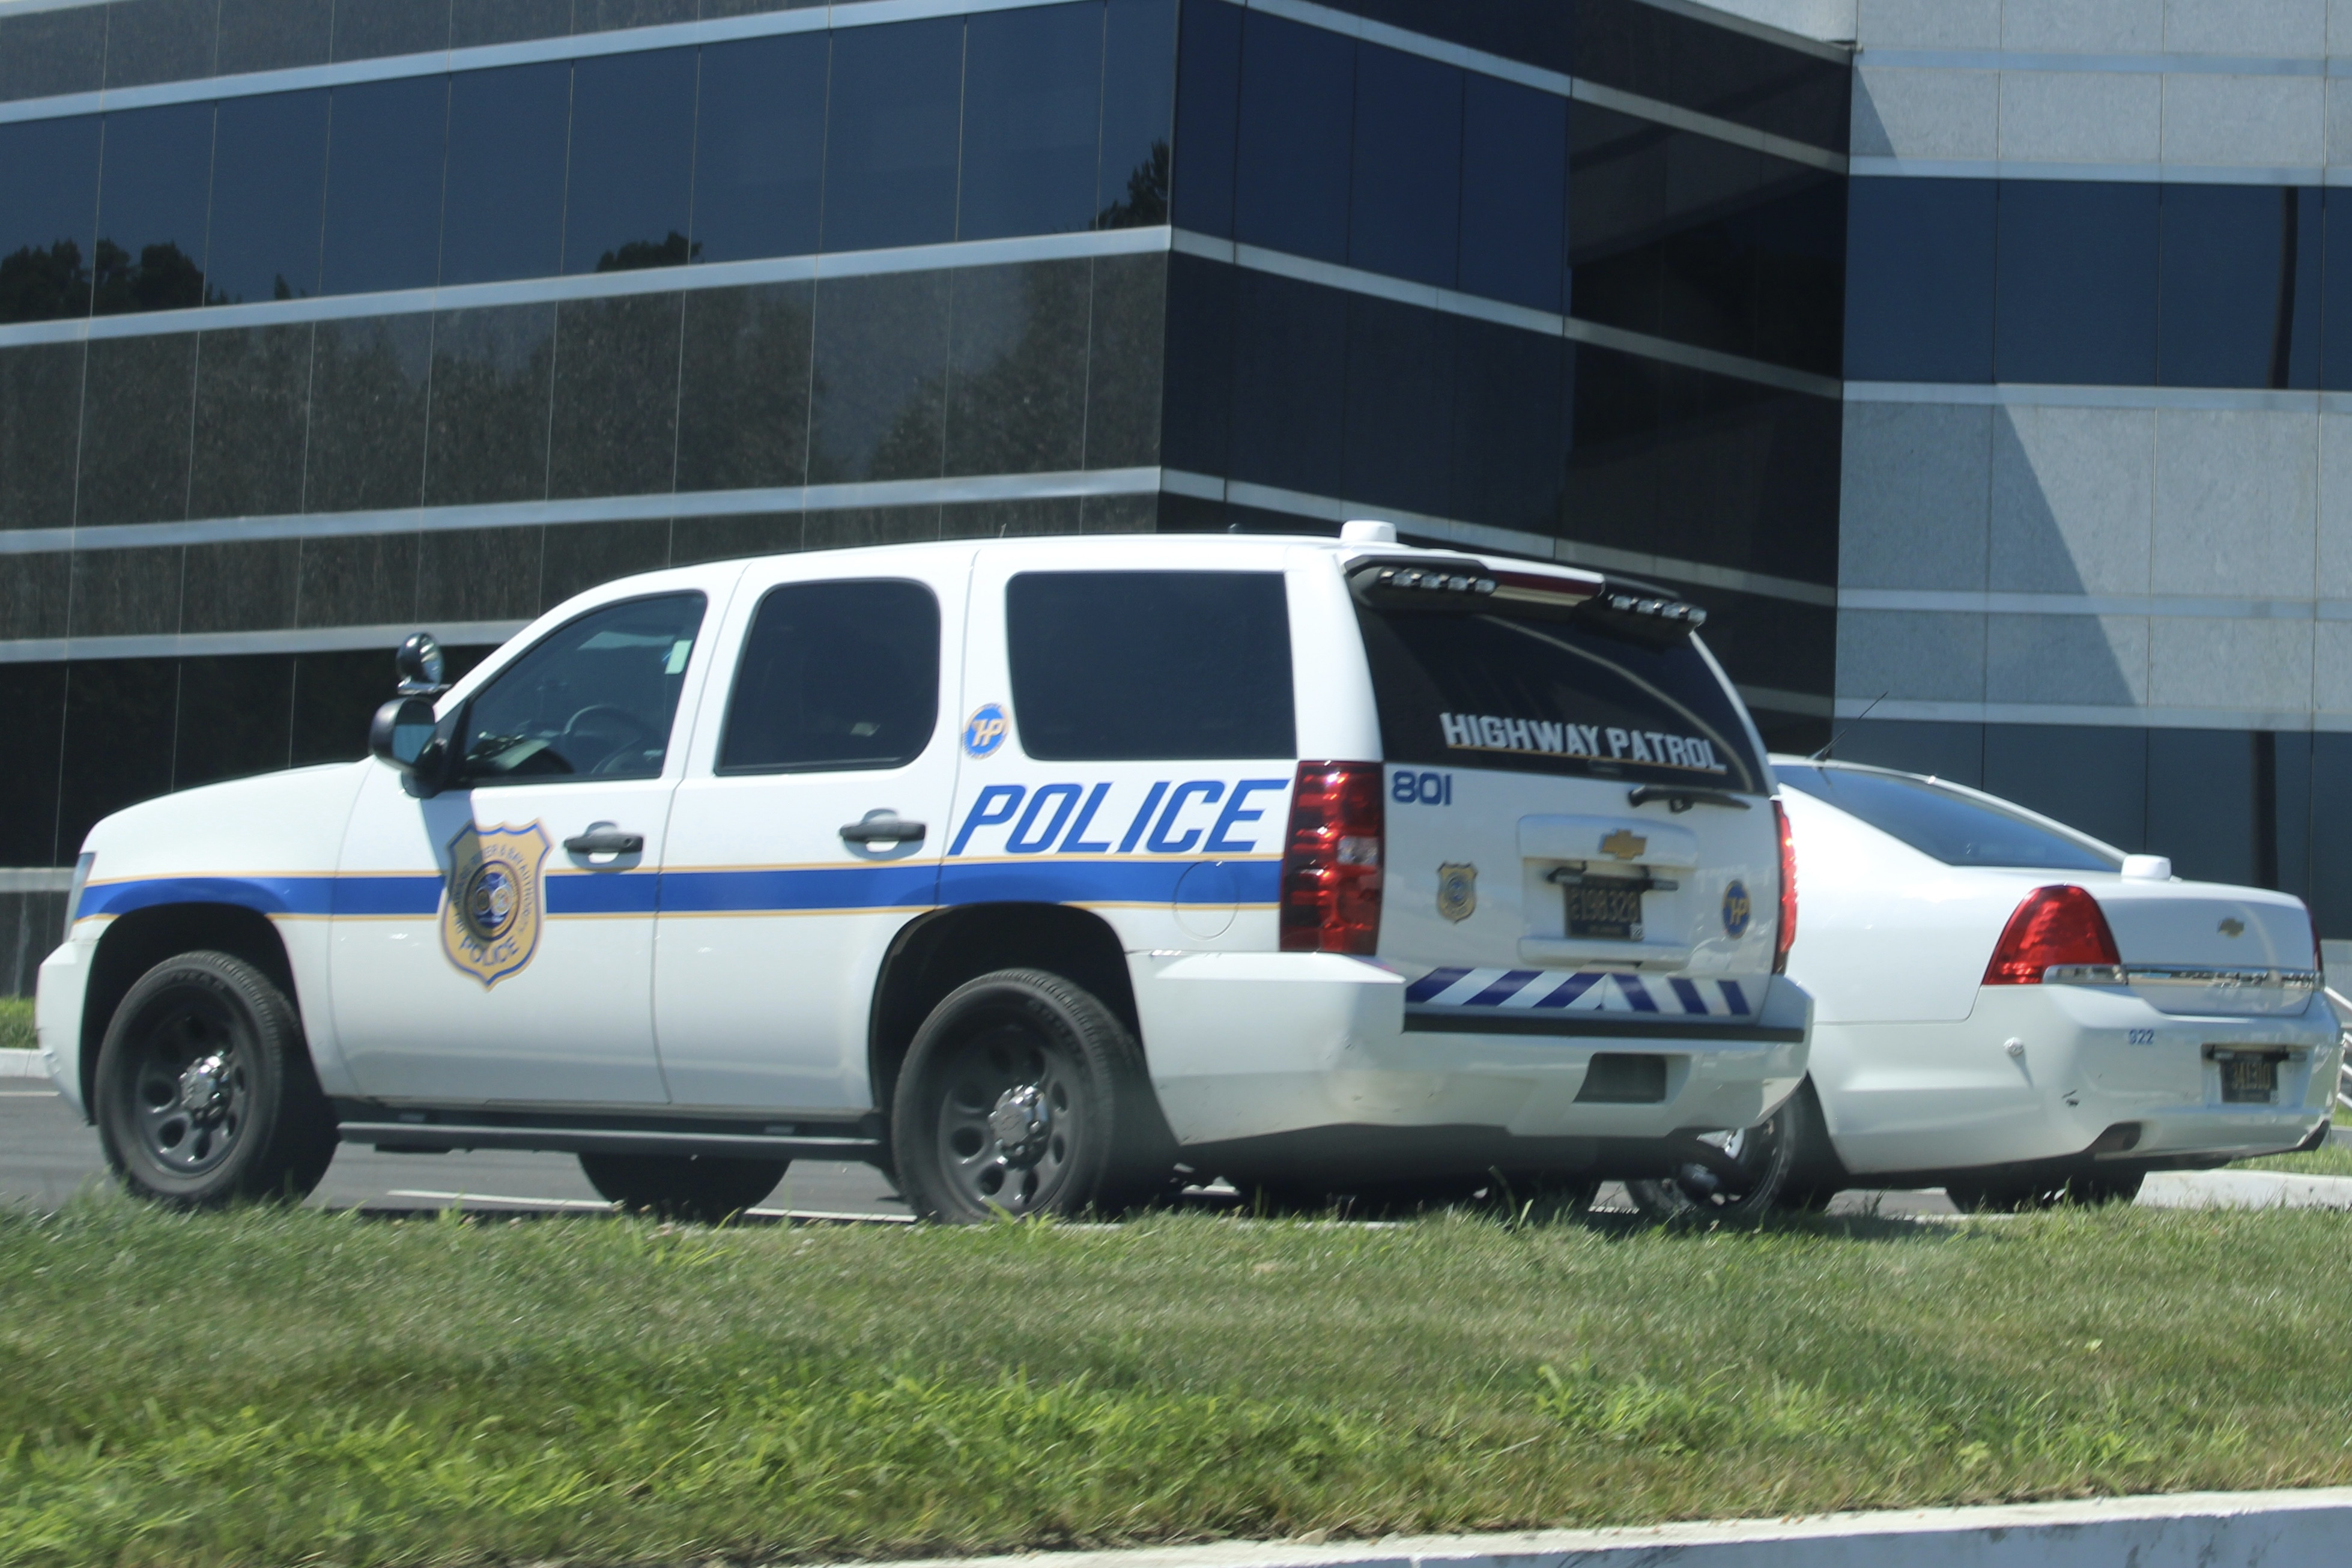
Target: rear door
{"points": [[1579, 819]]}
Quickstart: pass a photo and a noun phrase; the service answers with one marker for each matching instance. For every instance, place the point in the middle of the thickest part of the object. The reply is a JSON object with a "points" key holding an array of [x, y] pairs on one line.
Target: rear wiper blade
{"points": [[1681, 798]]}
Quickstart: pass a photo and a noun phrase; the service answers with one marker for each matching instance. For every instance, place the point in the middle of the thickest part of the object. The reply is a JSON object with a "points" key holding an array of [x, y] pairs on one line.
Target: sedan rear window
{"points": [[1957, 829]]}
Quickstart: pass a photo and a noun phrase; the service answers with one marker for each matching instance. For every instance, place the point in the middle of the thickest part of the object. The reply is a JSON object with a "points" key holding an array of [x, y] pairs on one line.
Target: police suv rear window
{"points": [[1135, 666], [1552, 696]]}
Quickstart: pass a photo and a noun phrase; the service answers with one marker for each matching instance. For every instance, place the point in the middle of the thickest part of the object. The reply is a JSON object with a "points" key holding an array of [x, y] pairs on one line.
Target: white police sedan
{"points": [[2017, 1012]]}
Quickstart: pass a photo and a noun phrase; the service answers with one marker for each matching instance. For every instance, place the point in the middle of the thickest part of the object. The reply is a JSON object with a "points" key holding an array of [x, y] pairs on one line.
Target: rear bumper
{"points": [[1313, 1048]]}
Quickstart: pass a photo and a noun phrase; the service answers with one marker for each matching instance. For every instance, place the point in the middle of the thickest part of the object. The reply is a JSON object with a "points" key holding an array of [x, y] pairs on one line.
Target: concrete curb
{"points": [[2192, 1529], [22, 1064], [2244, 1189]]}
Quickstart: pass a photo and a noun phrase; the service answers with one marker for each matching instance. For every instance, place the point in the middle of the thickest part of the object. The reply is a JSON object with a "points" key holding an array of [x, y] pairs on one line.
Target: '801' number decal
{"points": [[1421, 788]]}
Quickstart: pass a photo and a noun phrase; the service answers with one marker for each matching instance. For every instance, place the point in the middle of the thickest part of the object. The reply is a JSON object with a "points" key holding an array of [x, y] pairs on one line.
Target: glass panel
{"points": [[1297, 109], [1537, 33], [383, 186], [1514, 191], [2203, 794], [1400, 405], [1918, 280], [1138, 97], [2093, 779], [1289, 375], [835, 675], [758, 162], [503, 215], [1949, 751], [269, 171], [1211, 647], [1617, 196], [152, 184], [236, 718], [1208, 108], [33, 713], [1957, 829], [2336, 366], [1031, 100], [1405, 214], [1646, 50], [2077, 281], [48, 212], [118, 740], [593, 699], [628, 193], [890, 141], [1510, 426], [2239, 304]]}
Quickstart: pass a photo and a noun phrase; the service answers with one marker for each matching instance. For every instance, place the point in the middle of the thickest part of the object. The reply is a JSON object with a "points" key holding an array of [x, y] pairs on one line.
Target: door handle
{"points": [[604, 839], [883, 827]]}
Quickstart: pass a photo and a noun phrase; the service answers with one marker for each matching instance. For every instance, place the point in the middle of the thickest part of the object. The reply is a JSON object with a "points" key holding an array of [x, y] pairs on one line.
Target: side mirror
{"points": [[402, 736], [422, 671]]}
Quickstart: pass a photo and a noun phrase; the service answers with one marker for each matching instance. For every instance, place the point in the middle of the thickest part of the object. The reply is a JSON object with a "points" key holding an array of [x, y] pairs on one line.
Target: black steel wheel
{"points": [[1767, 1154], [204, 1092], [1023, 1094], [705, 1190]]}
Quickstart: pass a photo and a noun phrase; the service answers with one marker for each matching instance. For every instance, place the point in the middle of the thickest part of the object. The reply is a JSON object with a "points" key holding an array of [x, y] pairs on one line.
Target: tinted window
{"points": [[1554, 696], [1956, 828], [1138, 97], [1405, 216], [835, 675], [890, 136], [269, 171], [2335, 371], [627, 190], [759, 161], [503, 215], [153, 182], [2239, 299], [1514, 191], [48, 205], [2077, 283], [1031, 92], [1130, 666], [593, 699], [1297, 106], [1919, 276], [1208, 106], [383, 186]]}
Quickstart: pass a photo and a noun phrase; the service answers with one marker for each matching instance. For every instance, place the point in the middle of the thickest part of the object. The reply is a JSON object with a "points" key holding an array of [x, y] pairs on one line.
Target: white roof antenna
{"points": [[1367, 532]]}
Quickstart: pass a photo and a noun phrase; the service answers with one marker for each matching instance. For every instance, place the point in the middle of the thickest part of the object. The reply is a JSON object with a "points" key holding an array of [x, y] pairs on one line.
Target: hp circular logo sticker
{"points": [[983, 732], [1737, 910]]}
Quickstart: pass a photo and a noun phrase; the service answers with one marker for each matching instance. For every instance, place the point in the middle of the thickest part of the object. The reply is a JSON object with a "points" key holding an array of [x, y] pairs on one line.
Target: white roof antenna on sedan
{"points": [[1824, 753]]}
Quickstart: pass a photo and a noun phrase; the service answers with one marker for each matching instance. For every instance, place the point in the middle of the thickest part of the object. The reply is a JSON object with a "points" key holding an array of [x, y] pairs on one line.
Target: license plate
{"points": [[1596, 909], [2248, 1080]]}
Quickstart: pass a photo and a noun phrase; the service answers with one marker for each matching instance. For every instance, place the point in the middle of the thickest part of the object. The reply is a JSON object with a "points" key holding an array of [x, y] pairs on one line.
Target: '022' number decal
{"points": [[1423, 789]]}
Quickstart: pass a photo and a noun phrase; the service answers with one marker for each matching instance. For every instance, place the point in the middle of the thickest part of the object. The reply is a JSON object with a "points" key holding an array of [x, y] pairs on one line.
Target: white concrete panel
{"points": [[2339, 26], [2297, 27], [2237, 665], [2267, 120], [1914, 655], [2068, 116], [2333, 575], [2093, 26], [2073, 500], [1906, 113], [1928, 23], [2073, 659], [2331, 666], [1913, 497], [2236, 503], [2339, 120]]}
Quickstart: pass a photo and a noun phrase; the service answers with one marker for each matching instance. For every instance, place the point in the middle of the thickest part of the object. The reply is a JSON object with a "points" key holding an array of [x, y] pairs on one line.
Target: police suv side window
{"points": [[593, 699], [1136, 666], [835, 676]]}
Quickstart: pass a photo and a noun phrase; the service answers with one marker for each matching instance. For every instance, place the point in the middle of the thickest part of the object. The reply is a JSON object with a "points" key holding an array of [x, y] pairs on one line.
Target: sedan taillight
{"points": [[1786, 936], [2061, 925], [1331, 860]]}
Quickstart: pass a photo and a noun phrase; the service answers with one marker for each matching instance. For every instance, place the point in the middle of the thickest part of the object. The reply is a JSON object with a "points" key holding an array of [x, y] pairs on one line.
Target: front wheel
{"points": [[704, 1188], [205, 1094], [1768, 1154], [1023, 1094]]}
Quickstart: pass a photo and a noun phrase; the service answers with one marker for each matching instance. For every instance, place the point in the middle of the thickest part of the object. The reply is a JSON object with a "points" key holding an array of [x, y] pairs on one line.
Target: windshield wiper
{"points": [[1681, 798]]}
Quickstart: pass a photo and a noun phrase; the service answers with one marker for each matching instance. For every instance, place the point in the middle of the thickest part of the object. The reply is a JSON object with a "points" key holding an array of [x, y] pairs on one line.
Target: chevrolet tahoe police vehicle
{"points": [[1046, 874]]}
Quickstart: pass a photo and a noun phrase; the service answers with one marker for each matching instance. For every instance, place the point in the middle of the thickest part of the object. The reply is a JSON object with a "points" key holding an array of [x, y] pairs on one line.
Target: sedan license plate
{"points": [[2247, 1080], [1597, 909]]}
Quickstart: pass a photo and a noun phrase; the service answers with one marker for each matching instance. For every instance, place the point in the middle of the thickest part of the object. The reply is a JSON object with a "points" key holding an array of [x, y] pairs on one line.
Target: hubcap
{"points": [[190, 1091], [1009, 1125], [1020, 1122]]}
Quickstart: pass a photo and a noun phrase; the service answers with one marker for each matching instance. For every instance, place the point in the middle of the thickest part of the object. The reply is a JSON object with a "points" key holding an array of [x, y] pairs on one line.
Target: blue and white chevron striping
{"points": [[1606, 991]]}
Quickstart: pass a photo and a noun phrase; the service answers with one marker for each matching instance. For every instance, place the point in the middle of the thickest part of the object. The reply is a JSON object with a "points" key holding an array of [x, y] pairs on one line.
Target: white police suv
{"points": [[1048, 874]]}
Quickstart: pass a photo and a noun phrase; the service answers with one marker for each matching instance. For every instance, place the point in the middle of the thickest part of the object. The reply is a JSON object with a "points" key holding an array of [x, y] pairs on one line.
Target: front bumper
{"points": [[1252, 1046], [57, 1000]]}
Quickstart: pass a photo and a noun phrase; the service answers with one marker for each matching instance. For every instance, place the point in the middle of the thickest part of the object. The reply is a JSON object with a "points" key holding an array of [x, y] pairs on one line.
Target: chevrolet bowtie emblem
{"points": [[1623, 845], [2233, 926]]}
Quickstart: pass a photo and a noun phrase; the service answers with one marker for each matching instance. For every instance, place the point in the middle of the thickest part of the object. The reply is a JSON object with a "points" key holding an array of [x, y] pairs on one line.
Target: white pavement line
{"points": [[2244, 1189], [2193, 1529], [22, 1064]]}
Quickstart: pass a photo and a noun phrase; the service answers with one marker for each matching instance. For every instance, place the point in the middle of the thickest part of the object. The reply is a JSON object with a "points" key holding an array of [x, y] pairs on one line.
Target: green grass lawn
{"points": [[267, 1387], [2334, 1160], [17, 1023]]}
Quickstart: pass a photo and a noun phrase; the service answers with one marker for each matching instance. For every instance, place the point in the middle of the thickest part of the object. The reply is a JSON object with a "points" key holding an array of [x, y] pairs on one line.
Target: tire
{"points": [[205, 1094], [1770, 1152], [705, 1189], [1023, 1094]]}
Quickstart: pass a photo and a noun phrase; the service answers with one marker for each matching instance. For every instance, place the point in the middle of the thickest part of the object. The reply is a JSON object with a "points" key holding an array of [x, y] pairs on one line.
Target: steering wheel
{"points": [[637, 734]]}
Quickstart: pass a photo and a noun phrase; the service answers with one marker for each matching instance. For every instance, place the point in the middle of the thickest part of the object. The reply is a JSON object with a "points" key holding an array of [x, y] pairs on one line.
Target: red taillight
{"points": [[2060, 924], [1786, 938], [1331, 862]]}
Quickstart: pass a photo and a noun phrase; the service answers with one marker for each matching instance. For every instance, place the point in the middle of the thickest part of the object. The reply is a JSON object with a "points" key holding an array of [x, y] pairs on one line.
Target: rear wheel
{"points": [[1767, 1154], [703, 1189], [204, 1093], [1023, 1094]]}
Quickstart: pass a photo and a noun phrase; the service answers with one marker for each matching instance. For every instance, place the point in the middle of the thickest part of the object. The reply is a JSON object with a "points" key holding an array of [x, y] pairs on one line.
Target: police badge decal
{"points": [[1458, 890], [491, 906]]}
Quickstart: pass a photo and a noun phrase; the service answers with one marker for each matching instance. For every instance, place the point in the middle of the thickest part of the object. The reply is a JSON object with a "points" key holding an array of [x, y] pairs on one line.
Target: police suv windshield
{"points": [[1957, 829]]}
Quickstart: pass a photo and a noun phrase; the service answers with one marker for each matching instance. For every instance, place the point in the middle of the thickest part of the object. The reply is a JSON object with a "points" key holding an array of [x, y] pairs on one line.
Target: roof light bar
{"points": [[1674, 609], [1406, 577]]}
